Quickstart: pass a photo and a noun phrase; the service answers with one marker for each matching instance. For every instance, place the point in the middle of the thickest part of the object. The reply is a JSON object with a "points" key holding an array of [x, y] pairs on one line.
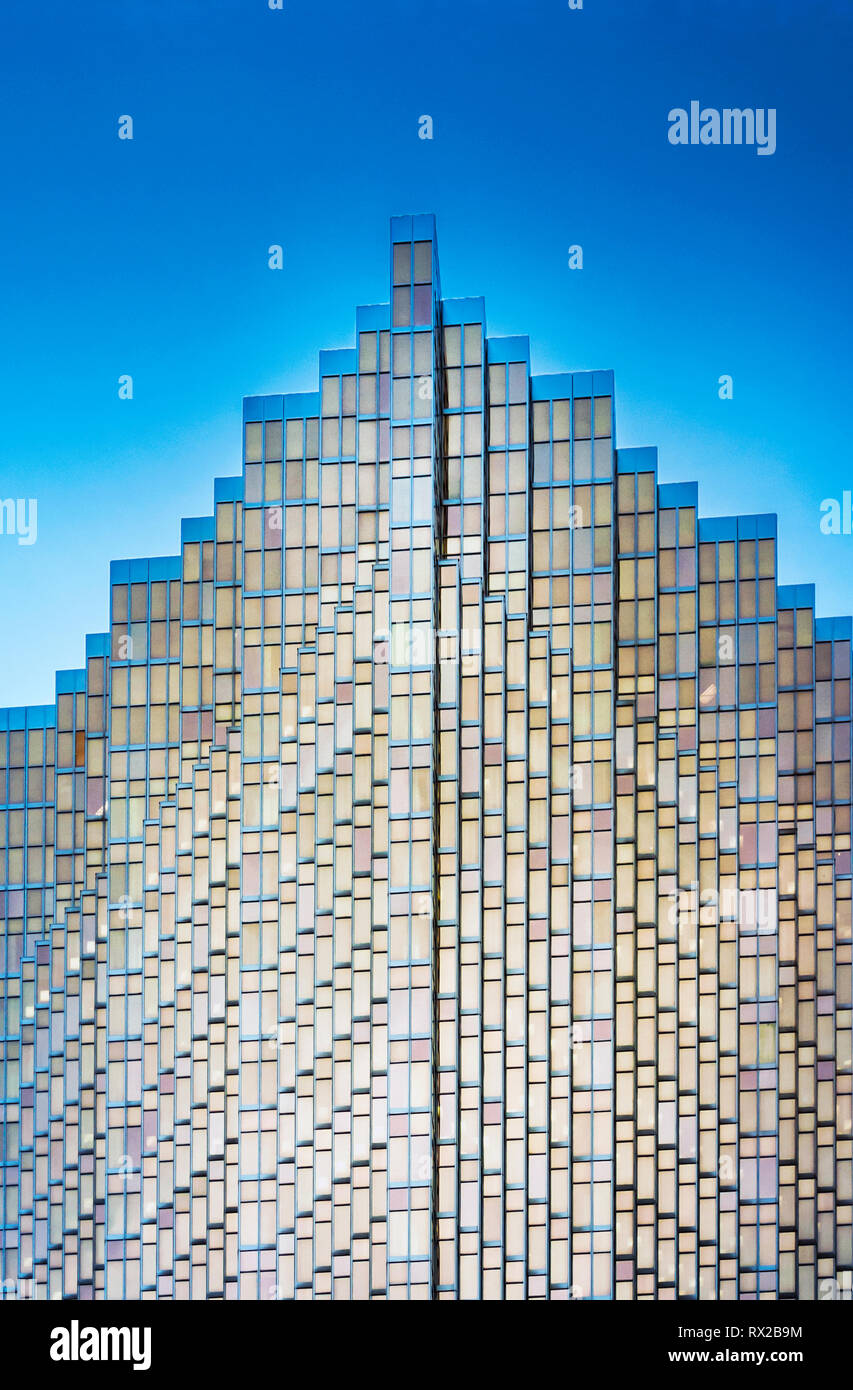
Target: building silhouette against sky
{"points": [[437, 883]]}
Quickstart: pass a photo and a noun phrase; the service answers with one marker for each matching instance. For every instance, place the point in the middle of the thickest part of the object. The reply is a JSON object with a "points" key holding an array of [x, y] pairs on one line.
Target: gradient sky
{"points": [[300, 127]]}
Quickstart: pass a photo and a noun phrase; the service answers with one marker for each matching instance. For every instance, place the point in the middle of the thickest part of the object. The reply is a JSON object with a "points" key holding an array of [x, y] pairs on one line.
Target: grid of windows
{"points": [[437, 883]]}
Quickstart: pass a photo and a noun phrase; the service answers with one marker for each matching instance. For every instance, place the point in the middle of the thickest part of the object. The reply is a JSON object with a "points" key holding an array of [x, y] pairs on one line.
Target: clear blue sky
{"points": [[300, 127]]}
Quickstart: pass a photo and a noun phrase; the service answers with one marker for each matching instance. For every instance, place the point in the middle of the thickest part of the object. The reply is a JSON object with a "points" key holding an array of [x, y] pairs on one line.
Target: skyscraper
{"points": [[437, 883]]}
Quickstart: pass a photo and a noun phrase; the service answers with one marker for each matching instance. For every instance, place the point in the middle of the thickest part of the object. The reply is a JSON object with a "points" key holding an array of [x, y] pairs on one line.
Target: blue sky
{"points": [[300, 127]]}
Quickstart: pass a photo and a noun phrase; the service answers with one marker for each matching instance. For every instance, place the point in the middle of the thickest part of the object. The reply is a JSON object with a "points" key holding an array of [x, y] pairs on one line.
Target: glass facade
{"points": [[437, 883]]}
